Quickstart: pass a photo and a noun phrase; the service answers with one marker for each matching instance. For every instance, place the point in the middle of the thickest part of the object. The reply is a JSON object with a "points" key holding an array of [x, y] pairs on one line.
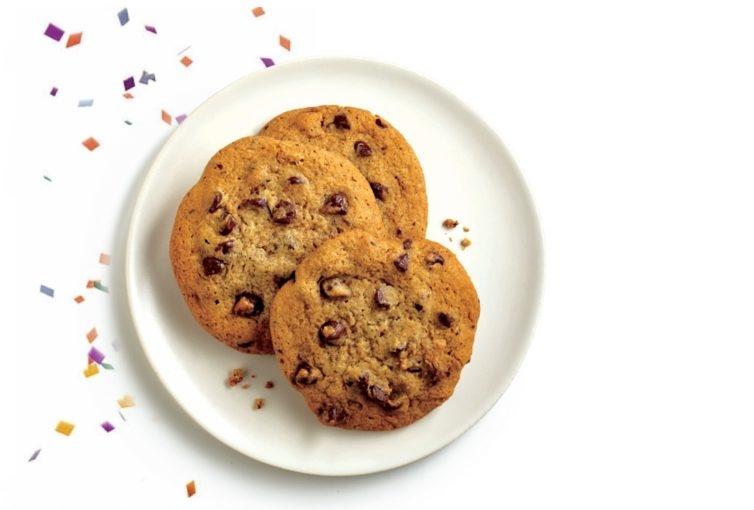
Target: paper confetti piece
{"points": [[64, 428], [184, 50], [47, 290], [285, 42], [123, 17], [146, 77], [90, 284], [90, 143], [54, 32], [83, 103], [92, 335], [99, 286], [126, 401], [107, 366], [79, 299], [54, 91], [129, 83], [150, 28], [104, 258], [122, 417], [96, 355], [128, 95], [74, 39], [35, 455], [115, 346], [90, 370], [268, 62], [128, 122], [257, 11], [166, 118], [46, 178], [180, 118], [191, 488], [107, 426], [186, 61]]}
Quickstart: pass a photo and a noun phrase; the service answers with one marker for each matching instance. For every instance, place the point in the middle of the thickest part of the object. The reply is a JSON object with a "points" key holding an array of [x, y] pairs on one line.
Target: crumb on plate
{"points": [[450, 223], [235, 376], [258, 403]]}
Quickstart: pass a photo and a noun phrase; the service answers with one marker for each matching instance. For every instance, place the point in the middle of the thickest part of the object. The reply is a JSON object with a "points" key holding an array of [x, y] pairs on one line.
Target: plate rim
{"points": [[537, 245]]}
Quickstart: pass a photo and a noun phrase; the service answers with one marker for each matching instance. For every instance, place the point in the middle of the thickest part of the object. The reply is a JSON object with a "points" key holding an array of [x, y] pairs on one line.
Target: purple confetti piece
{"points": [[35, 455], [107, 426], [54, 32], [44, 289], [123, 17], [129, 83], [180, 118], [150, 28], [54, 91], [96, 356], [268, 62]]}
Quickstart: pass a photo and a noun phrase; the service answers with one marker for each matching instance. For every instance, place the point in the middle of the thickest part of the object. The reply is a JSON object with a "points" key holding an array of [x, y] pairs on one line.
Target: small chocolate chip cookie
{"points": [[374, 331], [376, 148], [260, 206]]}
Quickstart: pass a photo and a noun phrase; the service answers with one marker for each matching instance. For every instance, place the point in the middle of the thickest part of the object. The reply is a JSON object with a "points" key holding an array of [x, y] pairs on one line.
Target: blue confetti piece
{"points": [[85, 102], [146, 78], [123, 17], [47, 290], [35, 455], [268, 62]]}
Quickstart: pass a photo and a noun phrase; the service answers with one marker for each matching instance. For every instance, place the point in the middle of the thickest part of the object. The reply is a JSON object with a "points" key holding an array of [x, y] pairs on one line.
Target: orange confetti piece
{"points": [[126, 401], [104, 258], [166, 118], [90, 284], [285, 42], [90, 143], [74, 39], [91, 370], [257, 11], [128, 95], [64, 428], [79, 299], [92, 335], [186, 61], [191, 488]]}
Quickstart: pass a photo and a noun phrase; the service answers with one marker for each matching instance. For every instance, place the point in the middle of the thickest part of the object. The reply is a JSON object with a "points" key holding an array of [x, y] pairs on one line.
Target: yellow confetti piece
{"points": [[64, 428], [91, 370], [126, 401], [191, 488], [92, 335], [104, 259]]}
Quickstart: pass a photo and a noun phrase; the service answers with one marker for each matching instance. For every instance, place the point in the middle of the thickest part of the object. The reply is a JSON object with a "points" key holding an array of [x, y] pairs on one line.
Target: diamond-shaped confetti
{"points": [[35, 455], [257, 11], [104, 258], [90, 143], [47, 290], [92, 335], [150, 28], [285, 42], [191, 488], [126, 401], [107, 426], [129, 83], [146, 77], [79, 299], [90, 370], [268, 62], [180, 118], [83, 103], [54, 91], [54, 32], [96, 355], [123, 17], [74, 39], [64, 428], [186, 61], [166, 118]]}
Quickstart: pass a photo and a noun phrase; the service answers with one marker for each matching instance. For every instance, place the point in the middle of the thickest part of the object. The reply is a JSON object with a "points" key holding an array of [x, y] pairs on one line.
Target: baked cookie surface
{"points": [[259, 207], [374, 331], [376, 148]]}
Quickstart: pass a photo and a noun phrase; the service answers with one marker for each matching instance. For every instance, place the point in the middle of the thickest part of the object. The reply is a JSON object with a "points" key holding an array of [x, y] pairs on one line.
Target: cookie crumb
{"points": [[269, 385], [245, 386], [258, 404], [450, 223], [465, 243], [466, 229], [235, 376]]}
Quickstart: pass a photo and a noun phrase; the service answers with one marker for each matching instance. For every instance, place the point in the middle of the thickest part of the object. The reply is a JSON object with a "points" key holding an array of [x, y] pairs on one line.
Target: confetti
{"points": [[123, 17], [74, 39], [104, 258], [183, 50], [285, 42], [129, 83], [107, 366], [115, 346], [92, 335], [128, 95], [90, 284], [79, 299], [107, 426], [54, 91], [121, 416], [186, 61], [126, 401], [258, 403], [96, 355], [257, 11], [166, 118], [128, 122], [54, 32], [180, 118], [98, 285], [47, 178], [65, 428], [269, 385], [83, 103], [150, 28], [268, 62], [47, 290], [146, 77], [90, 143], [35, 455], [191, 488], [91, 370]]}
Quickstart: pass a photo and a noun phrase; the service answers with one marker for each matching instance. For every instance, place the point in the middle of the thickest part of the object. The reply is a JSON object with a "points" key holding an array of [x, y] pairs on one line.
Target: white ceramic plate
{"points": [[470, 176]]}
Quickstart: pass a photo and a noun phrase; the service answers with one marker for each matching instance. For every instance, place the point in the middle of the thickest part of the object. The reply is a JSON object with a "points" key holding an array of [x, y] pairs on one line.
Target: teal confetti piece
{"points": [[128, 122], [47, 178], [107, 366]]}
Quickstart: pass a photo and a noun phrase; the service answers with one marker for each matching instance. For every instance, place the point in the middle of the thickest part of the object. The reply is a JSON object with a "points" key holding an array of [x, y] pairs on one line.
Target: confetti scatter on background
{"points": [[126, 401], [123, 17], [166, 118], [184, 50], [268, 62], [180, 118], [65, 428], [257, 11], [90, 370], [129, 83], [128, 122], [44, 289], [150, 28], [92, 335], [54, 91], [83, 103], [146, 77], [90, 143], [191, 488], [186, 61], [79, 299], [35, 455], [104, 259], [121, 416], [99, 286], [54, 32], [107, 426], [74, 39], [96, 355], [128, 95], [46, 178], [285, 42], [107, 366]]}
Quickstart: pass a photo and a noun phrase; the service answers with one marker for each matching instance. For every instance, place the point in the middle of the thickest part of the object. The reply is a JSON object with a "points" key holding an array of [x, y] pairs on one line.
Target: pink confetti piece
{"points": [[104, 259], [54, 91], [92, 335], [268, 62], [96, 356], [107, 426], [54, 32], [128, 95], [35, 455], [180, 118], [129, 83], [74, 39], [150, 28]]}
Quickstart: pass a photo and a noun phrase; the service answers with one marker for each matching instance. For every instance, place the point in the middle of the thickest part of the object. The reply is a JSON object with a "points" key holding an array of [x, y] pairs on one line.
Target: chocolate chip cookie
{"points": [[260, 206], [376, 148], [374, 331]]}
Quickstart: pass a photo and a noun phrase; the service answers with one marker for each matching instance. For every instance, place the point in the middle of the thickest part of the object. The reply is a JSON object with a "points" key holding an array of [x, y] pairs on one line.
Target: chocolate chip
{"points": [[306, 375], [445, 319], [380, 122], [244, 345], [295, 179], [378, 394], [362, 149], [379, 190], [434, 258], [399, 347], [407, 244], [419, 307], [219, 166], [401, 263], [213, 265], [228, 226], [225, 246], [332, 413], [414, 369], [340, 121], [450, 223], [431, 373], [253, 202], [282, 280], [337, 203], [381, 298], [248, 304], [269, 385], [331, 332], [216, 202], [334, 287], [284, 212]]}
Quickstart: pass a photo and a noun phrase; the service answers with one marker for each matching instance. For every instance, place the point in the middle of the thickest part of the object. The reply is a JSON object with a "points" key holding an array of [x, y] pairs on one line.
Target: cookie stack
{"points": [[307, 242]]}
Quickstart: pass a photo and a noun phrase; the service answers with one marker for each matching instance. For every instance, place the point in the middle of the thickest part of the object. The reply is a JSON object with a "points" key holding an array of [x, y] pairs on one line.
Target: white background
{"points": [[633, 124]]}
